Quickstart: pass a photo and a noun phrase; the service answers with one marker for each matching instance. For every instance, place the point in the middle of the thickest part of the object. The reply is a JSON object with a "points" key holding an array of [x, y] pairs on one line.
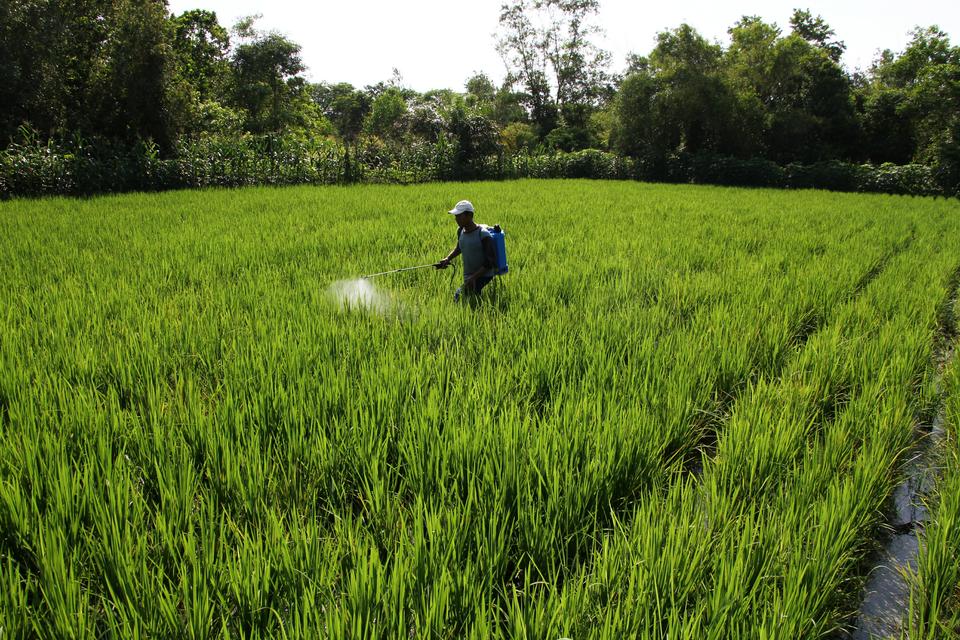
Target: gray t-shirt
{"points": [[475, 257]]}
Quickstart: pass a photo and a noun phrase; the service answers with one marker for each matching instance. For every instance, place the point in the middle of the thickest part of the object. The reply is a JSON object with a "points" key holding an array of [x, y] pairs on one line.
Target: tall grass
{"points": [[681, 413], [935, 584]]}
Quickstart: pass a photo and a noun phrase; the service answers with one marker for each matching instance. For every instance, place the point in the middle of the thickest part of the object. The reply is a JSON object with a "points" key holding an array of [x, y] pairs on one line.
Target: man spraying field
{"points": [[476, 244], [484, 253]]}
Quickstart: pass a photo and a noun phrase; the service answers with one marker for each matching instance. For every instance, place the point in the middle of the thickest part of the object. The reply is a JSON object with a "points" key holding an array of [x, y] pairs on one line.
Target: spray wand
{"points": [[384, 273]]}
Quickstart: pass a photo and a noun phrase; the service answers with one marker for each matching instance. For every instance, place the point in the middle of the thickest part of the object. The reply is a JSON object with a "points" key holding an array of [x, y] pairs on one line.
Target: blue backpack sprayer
{"points": [[499, 247]]}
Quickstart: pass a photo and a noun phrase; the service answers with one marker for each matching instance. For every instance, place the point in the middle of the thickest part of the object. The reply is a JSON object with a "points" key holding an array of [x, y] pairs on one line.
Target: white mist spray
{"points": [[359, 294]]}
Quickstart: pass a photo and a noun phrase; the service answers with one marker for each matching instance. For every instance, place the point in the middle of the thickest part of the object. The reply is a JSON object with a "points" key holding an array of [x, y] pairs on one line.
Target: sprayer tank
{"points": [[500, 248]]}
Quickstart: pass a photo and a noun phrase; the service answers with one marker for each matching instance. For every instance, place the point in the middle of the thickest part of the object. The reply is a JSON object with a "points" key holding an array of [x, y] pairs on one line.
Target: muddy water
{"points": [[886, 596]]}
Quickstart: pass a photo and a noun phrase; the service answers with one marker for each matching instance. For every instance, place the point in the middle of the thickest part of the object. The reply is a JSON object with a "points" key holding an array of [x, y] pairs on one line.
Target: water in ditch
{"points": [[886, 595]]}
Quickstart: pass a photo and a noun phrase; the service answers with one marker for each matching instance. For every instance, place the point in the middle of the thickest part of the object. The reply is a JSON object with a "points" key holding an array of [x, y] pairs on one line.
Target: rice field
{"points": [[682, 414], [935, 584]]}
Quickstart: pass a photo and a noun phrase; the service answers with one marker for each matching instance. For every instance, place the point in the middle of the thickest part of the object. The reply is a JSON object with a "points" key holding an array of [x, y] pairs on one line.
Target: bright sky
{"points": [[438, 44]]}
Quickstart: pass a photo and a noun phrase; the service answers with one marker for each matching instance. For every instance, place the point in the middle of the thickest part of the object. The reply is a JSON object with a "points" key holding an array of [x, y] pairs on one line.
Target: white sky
{"points": [[438, 44]]}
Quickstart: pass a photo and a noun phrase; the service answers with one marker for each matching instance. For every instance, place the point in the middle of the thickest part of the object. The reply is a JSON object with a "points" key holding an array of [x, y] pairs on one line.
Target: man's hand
{"points": [[443, 264]]}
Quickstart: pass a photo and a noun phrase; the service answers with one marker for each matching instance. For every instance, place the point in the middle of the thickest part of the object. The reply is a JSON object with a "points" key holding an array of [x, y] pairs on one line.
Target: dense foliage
{"points": [[44, 168], [123, 76], [671, 419]]}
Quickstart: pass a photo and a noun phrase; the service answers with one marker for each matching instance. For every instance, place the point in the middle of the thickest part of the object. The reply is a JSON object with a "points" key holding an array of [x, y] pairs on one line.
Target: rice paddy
{"points": [[683, 413]]}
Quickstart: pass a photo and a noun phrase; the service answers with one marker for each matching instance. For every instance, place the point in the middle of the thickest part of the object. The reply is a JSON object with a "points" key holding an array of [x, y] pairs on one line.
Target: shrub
{"points": [[753, 172], [78, 167], [518, 137], [910, 179], [832, 176]]}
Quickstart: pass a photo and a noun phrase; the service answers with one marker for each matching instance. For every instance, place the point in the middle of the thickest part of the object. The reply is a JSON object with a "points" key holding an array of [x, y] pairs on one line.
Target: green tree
{"points": [[134, 91], [887, 133], [793, 102], [928, 48], [344, 106], [48, 49], [508, 106], [547, 47], [811, 113], [918, 92], [520, 46], [749, 72], [518, 136], [692, 106], [481, 93], [474, 136], [575, 130], [386, 114], [635, 131], [102, 68], [201, 45], [818, 33], [267, 83], [579, 66], [425, 119]]}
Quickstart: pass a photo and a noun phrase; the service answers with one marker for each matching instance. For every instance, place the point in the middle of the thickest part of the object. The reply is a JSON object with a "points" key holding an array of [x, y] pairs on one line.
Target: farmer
{"points": [[476, 245]]}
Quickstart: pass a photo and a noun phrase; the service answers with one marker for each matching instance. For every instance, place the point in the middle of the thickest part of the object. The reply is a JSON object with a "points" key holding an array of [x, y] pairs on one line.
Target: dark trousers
{"points": [[473, 289]]}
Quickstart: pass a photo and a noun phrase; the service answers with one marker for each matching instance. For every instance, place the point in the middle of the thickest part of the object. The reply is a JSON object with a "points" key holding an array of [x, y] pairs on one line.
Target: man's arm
{"points": [[443, 264]]}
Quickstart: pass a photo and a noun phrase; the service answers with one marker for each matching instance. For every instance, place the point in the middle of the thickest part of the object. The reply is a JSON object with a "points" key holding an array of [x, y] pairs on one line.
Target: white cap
{"points": [[463, 206]]}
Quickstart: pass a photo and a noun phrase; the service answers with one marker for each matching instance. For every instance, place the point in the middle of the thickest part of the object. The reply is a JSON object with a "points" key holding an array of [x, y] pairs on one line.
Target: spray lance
{"points": [[386, 273]]}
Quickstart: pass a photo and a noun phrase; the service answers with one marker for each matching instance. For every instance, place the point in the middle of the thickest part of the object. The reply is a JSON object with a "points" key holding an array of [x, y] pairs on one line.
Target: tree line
{"points": [[122, 73]]}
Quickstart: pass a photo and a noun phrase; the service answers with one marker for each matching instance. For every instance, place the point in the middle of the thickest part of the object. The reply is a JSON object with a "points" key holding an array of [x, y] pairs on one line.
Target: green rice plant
{"points": [[865, 494], [682, 412], [935, 585]]}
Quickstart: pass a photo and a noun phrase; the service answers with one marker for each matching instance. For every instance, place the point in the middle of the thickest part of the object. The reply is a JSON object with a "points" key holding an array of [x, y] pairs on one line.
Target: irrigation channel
{"points": [[886, 595]]}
